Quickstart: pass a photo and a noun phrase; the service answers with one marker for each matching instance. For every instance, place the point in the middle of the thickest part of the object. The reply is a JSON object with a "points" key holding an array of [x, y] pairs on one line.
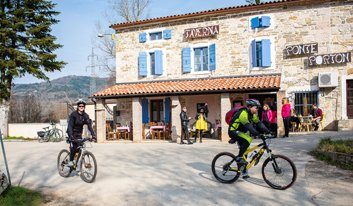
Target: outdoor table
{"points": [[123, 130], [306, 122], [157, 129]]}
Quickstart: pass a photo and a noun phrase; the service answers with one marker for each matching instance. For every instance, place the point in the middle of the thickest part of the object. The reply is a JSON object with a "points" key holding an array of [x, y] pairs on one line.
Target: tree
{"points": [[253, 1], [25, 110], [26, 45], [121, 10]]}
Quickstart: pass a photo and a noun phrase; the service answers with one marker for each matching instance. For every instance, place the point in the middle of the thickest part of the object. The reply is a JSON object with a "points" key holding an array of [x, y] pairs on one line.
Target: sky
{"points": [[76, 29]]}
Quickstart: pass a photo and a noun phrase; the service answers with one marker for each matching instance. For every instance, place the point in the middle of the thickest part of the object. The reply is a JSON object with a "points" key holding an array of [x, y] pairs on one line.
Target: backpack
{"points": [[232, 112]]}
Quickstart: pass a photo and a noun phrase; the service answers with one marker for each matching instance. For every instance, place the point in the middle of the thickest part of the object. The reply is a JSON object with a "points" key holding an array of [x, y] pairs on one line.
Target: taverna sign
{"points": [[201, 32]]}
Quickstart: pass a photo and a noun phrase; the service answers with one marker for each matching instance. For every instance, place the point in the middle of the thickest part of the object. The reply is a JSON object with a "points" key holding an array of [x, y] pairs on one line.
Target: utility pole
{"points": [[93, 84]]}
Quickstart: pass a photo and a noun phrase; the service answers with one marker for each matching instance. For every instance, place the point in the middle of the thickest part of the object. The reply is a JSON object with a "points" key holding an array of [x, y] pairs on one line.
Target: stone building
{"points": [[299, 49]]}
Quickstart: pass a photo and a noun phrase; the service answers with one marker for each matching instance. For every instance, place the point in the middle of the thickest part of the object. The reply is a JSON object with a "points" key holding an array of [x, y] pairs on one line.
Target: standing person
{"points": [[317, 116], [77, 119], [266, 115], [273, 121], [185, 124], [241, 125], [206, 110], [201, 124], [286, 115]]}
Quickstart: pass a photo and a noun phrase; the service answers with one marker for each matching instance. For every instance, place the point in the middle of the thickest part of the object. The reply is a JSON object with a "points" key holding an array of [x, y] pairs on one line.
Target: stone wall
{"points": [[329, 24]]}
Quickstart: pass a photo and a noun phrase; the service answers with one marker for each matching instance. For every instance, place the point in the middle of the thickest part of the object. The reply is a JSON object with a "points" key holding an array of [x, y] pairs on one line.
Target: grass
{"points": [[18, 196], [18, 138], [335, 146]]}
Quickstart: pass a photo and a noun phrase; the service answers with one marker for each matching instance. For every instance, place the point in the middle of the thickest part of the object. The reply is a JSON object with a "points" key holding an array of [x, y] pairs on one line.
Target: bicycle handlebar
{"points": [[266, 136]]}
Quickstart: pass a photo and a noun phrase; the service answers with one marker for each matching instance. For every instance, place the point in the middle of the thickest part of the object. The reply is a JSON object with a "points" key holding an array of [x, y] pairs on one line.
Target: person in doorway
{"points": [[77, 119], [286, 115], [266, 115], [241, 124], [201, 124], [295, 119], [206, 110], [185, 126], [317, 116]]}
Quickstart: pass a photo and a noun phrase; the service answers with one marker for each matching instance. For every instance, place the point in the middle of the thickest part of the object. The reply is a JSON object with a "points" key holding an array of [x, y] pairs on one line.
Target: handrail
{"points": [[5, 159]]}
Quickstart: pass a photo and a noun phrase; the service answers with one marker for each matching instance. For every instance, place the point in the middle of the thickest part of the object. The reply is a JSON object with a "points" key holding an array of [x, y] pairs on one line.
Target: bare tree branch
{"points": [[253, 1]]}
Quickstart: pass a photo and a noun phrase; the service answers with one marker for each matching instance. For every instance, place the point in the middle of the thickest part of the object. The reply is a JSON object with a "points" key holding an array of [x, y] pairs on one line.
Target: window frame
{"points": [[192, 57], [157, 35], [314, 95], [273, 54]]}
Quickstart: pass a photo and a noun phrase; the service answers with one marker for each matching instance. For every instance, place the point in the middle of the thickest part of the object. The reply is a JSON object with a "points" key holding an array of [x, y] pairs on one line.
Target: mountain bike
{"points": [[84, 162], [278, 171], [54, 134]]}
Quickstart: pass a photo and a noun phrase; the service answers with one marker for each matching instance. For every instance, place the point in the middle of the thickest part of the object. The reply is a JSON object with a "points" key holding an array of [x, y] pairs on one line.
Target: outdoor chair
{"points": [[110, 133]]}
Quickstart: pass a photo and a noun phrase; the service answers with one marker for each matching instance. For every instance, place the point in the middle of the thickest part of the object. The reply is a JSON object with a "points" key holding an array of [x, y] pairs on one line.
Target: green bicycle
{"points": [[278, 171]]}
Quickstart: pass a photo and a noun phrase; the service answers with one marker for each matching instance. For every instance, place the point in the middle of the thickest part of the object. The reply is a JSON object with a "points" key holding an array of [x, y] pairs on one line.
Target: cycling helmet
{"points": [[253, 102], [81, 101]]}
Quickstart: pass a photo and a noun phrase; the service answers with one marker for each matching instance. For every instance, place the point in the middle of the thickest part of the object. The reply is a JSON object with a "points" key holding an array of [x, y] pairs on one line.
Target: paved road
{"points": [[171, 174]]}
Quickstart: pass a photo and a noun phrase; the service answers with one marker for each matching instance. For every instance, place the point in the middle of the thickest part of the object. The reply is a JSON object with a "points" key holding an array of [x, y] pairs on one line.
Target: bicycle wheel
{"points": [[57, 137], [225, 168], [60, 134], [281, 173], [63, 159], [88, 167]]}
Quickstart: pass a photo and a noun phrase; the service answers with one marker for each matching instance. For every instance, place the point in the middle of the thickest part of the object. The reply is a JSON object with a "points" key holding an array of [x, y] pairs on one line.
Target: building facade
{"points": [[300, 49]]}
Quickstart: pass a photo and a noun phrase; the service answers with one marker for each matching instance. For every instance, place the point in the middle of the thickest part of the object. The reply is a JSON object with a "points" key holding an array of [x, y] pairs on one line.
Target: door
{"points": [[350, 99]]}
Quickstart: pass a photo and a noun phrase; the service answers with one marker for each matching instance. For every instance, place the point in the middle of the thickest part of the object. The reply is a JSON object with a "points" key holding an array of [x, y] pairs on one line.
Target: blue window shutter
{"points": [[145, 118], [142, 64], [212, 56], [158, 55], [142, 37], [266, 52], [265, 21], [167, 34], [255, 22], [167, 110], [253, 54], [186, 60]]}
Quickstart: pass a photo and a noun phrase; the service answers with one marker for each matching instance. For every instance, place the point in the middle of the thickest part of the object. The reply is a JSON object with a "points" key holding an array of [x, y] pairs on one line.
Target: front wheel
{"points": [[281, 173], [63, 159], [225, 168], [88, 167]]}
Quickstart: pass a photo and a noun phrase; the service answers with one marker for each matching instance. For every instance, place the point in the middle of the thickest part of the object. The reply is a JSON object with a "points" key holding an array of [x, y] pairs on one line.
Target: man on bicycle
{"points": [[242, 123], [77, 119]]}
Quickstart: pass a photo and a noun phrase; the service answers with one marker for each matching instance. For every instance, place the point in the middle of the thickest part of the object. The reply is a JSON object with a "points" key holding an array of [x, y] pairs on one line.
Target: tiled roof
{"points": [[215, 12], [193, 86]]}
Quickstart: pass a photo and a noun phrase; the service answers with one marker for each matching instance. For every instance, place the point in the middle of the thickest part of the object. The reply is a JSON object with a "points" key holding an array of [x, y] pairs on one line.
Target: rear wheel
{"points": [[88, 167], [225, 168], [281, 173], [63, 159], [58, 136]]}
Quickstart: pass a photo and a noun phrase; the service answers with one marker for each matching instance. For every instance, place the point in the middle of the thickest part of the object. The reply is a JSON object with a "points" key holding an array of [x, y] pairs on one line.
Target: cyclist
{"points": [[77, 119], [242, 123]]}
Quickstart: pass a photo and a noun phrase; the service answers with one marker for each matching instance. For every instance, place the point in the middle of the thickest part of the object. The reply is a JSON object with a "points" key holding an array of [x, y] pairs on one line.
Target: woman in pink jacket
{"points": [[286, 115], [269, 118]]}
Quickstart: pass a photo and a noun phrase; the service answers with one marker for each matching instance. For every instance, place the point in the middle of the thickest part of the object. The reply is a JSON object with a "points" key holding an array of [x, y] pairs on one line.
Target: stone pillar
{"points": [[137, 119], [225, 107], [175, 119], [280, 129], [101, 121]]}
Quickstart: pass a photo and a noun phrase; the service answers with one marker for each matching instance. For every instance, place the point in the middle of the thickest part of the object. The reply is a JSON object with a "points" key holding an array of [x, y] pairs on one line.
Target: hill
{"points": [[68, 88]]}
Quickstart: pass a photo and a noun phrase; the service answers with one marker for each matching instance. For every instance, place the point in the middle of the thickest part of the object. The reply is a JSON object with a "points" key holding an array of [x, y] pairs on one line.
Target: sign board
{"points": [[201, 32], [329, 59], [301, 50]]}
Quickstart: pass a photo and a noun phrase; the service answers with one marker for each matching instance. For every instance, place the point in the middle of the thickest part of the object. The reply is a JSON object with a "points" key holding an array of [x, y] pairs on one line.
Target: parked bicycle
{"points": [[84, 162], [278, 171], [50, 134]]}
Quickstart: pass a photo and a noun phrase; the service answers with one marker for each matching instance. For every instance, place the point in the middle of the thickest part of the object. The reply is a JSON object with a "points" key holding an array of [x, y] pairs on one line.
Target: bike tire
{"points": [[276, 158], [85, 164], [57, 136], [221, 177], [61, 164], [61, 134]]}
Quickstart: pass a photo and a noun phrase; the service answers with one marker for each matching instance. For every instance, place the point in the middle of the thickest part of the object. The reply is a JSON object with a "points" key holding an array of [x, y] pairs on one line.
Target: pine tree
{"points": [[26, 45]]}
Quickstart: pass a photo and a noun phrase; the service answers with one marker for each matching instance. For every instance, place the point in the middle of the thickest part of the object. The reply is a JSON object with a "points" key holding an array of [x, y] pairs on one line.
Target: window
{"points": [[258, 53], [261, 53], [156, 36], [201, 59], [157, 110], [304, 101], [153, 63], [261, 22]]}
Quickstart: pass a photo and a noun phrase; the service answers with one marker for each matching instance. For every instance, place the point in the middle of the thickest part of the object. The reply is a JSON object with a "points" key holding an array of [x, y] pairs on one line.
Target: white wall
{"points": [[29, 130]]}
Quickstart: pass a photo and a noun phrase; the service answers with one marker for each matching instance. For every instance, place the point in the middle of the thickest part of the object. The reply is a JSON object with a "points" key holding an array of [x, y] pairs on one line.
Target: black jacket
{"points": [[184, 119], [76, 122]]}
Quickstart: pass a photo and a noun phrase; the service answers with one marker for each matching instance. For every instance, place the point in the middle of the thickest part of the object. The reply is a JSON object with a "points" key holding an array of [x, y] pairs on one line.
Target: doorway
{"points": [[350, 99]]}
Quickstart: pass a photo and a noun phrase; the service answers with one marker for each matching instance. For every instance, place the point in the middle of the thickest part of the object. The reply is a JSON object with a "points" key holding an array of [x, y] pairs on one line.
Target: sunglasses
{"points": [[81, 106]]}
